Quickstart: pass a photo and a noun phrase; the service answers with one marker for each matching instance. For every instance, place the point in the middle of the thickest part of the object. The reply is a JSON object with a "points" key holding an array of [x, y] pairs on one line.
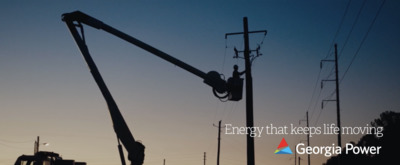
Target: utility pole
{"points": [[308, 139], [295, 156], [36, 148], [219, 141], [337, 98], [164, 162], [338, 102], [204, 158], [337, 95], [249, 88], [249, 95], [308, 136]]}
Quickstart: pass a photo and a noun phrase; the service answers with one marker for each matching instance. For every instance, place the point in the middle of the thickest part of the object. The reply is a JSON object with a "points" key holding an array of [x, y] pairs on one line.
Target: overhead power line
{"points": [[327, 55], [338, 30], [363, 40], [352, 27]]}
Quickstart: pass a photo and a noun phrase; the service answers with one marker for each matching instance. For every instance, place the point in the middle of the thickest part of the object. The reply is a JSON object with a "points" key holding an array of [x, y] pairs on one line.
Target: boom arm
{"points": [[211, 78], [135, 149]]}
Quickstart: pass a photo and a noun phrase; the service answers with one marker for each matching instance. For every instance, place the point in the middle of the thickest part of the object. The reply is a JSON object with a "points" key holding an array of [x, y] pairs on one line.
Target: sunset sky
{"points": [[47, 90]]}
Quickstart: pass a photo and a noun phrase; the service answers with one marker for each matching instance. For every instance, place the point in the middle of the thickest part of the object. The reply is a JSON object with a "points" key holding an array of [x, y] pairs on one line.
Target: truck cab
{"points": [[45, 158]]}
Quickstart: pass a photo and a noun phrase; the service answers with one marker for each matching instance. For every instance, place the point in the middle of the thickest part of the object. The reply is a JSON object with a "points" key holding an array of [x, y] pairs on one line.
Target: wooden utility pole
{"points": [[219, 141], [295, 156], [337, 99], [308, 135], [338, 102], [36, 149], [249, 94], [337, 94], [249, 88], [204, 158], [308, 140]]}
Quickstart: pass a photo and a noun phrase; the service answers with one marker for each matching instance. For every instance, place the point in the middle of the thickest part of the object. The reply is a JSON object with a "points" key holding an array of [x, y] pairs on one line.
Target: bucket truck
{"points": [[231, 90]]}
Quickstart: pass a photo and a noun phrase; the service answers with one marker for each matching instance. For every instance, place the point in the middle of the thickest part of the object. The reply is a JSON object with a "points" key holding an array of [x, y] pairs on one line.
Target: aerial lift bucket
{"points": [[235, 89]]}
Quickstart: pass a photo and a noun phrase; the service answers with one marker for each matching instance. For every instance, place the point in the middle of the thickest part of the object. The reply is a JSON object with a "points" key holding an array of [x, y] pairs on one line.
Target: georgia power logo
{"points": [[283, 148], [327, 151]]}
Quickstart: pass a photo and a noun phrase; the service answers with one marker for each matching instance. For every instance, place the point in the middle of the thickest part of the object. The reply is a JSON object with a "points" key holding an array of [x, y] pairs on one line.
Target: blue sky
{"points": [[47, 90]]}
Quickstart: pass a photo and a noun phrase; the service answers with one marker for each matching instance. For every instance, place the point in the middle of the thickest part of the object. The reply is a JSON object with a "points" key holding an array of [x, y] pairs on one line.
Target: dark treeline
{"points": [[390, 142]]}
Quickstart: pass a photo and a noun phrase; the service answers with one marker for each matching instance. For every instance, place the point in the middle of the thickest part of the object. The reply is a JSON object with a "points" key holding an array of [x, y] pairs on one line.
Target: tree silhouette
{"points": [[390, 143]]}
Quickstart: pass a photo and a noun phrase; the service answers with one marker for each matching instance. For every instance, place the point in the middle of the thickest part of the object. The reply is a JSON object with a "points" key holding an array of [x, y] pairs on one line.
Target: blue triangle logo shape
{"points": [[286, 150]]}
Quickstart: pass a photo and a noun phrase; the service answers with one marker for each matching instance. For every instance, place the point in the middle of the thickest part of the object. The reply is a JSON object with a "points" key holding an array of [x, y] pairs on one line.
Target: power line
{"points": [[11, 146], [336, 91], [320, 111], [11, 141], [352, 27], [327, 55], [319, 94], [347, 38], [363, 40], [313, 93], [320, 91], [315, 104], [350, 32], [338, 30], [223, 62]]}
